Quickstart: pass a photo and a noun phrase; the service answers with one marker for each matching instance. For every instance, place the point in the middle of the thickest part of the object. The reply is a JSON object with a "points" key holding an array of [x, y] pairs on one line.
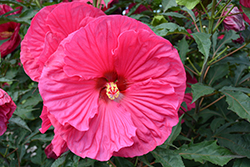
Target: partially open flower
{"points": [[9, 37], [112, 87], [233, 22], [48, 28], [7, 107], [245, 3]]}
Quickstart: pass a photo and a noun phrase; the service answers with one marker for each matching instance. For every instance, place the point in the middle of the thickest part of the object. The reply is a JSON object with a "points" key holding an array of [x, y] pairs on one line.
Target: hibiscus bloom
{"points": [[7, 107], [48, 28], [8, 33], [112, 88]]}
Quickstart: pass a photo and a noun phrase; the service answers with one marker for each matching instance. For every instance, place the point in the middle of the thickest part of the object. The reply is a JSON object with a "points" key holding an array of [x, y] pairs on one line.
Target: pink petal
{"points": [[45, 120], [149, 56], [59, 146], [33, 44], [153, 106], [69, 99], [7, 107], [111, 130]]}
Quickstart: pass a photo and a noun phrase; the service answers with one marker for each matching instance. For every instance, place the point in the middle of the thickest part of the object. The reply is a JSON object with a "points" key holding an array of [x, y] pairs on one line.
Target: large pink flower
{"points": [[112, 88], [48, 28], [8, 33], [7, 107]]}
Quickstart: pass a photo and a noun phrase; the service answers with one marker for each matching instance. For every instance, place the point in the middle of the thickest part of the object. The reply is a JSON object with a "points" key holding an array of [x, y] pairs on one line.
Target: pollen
{"points": [[112, 90], [6, 34]]}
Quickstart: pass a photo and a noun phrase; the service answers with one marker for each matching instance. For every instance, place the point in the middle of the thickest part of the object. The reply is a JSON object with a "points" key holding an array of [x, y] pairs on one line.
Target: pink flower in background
{"points": [[48, 28], [112, 88], [188, 97], [233, 22], [7, 107], [140, 9], [9, 37], [245, 3]]}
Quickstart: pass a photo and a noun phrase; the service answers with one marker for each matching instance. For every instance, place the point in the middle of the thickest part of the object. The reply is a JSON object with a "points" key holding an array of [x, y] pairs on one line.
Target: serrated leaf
{"points": [[20, 122], [166, 28], [183, 48], [204, 43], [166, 4], [199, 90], [217, 72], [239, 103], [190, 4], [206, 151], [168, 158]]}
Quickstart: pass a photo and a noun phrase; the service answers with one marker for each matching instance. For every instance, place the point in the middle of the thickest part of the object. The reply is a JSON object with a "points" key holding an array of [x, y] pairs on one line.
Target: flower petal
{"points": [[90, 52], [149, 56], [153, 106], [69, 99], [109, 131], [45, 120]]}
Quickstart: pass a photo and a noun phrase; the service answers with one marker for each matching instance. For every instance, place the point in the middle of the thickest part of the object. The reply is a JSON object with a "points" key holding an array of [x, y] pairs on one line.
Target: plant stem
{"points": [[211, 20], [229, 53], [191, 70], [193, 66], [212, 103], [204, 9]]}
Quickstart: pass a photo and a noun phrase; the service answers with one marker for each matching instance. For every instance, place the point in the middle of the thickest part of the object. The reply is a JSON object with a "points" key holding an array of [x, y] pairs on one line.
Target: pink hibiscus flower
{"points": [[48, 28], [8, 33], [112, 88], [7, 107]]}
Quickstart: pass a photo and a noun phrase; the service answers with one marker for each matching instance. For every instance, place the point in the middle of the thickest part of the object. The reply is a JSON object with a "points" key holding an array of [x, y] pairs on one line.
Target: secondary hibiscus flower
{"points": [[112, 88], [9, 37], [48, 28], [245, 3], [7, 107]]}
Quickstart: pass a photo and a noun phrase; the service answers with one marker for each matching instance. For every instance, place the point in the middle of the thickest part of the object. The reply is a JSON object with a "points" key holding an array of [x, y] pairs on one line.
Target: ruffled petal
{"points": [[45, 120], [149, 56], [153, 106], [69, 99], [59, 146], [109, 131], [90, 52], [33, 43], [66, 17]]}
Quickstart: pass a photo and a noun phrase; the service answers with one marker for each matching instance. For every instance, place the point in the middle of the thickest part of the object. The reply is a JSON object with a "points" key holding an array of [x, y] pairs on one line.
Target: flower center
{"points": [[112, 90], [6, 34]]}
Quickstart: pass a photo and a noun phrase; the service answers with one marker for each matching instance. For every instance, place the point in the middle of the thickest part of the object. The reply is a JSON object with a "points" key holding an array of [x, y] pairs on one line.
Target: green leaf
{"points": [[174, 14], [239, 103], [190, 4], [183, 48], [167, 28], [217, 122], [58, 162], [168, 158], [239, 72], [199, 90], [120, 161], [166, 4], [243, 162], [206, 151], [203, 42], [229, 36], [20, 122], [217, 72], [244, 90], [176, 130], [158, 19], [5, 40]]}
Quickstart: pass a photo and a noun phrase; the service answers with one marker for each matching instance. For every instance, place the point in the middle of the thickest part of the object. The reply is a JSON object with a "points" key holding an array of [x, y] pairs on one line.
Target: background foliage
{"points": [[215, 133]]}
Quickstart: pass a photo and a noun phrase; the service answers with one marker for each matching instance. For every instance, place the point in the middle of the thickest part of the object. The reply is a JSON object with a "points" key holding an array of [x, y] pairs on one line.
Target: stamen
{"points": [[112, 90], [6, 34]]}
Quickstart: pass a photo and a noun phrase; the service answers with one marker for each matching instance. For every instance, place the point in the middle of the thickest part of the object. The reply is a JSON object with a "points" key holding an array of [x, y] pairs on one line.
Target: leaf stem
{"points": [[204, 9], [213, 103], [193, 66], [229, 53], [191, 70]]}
